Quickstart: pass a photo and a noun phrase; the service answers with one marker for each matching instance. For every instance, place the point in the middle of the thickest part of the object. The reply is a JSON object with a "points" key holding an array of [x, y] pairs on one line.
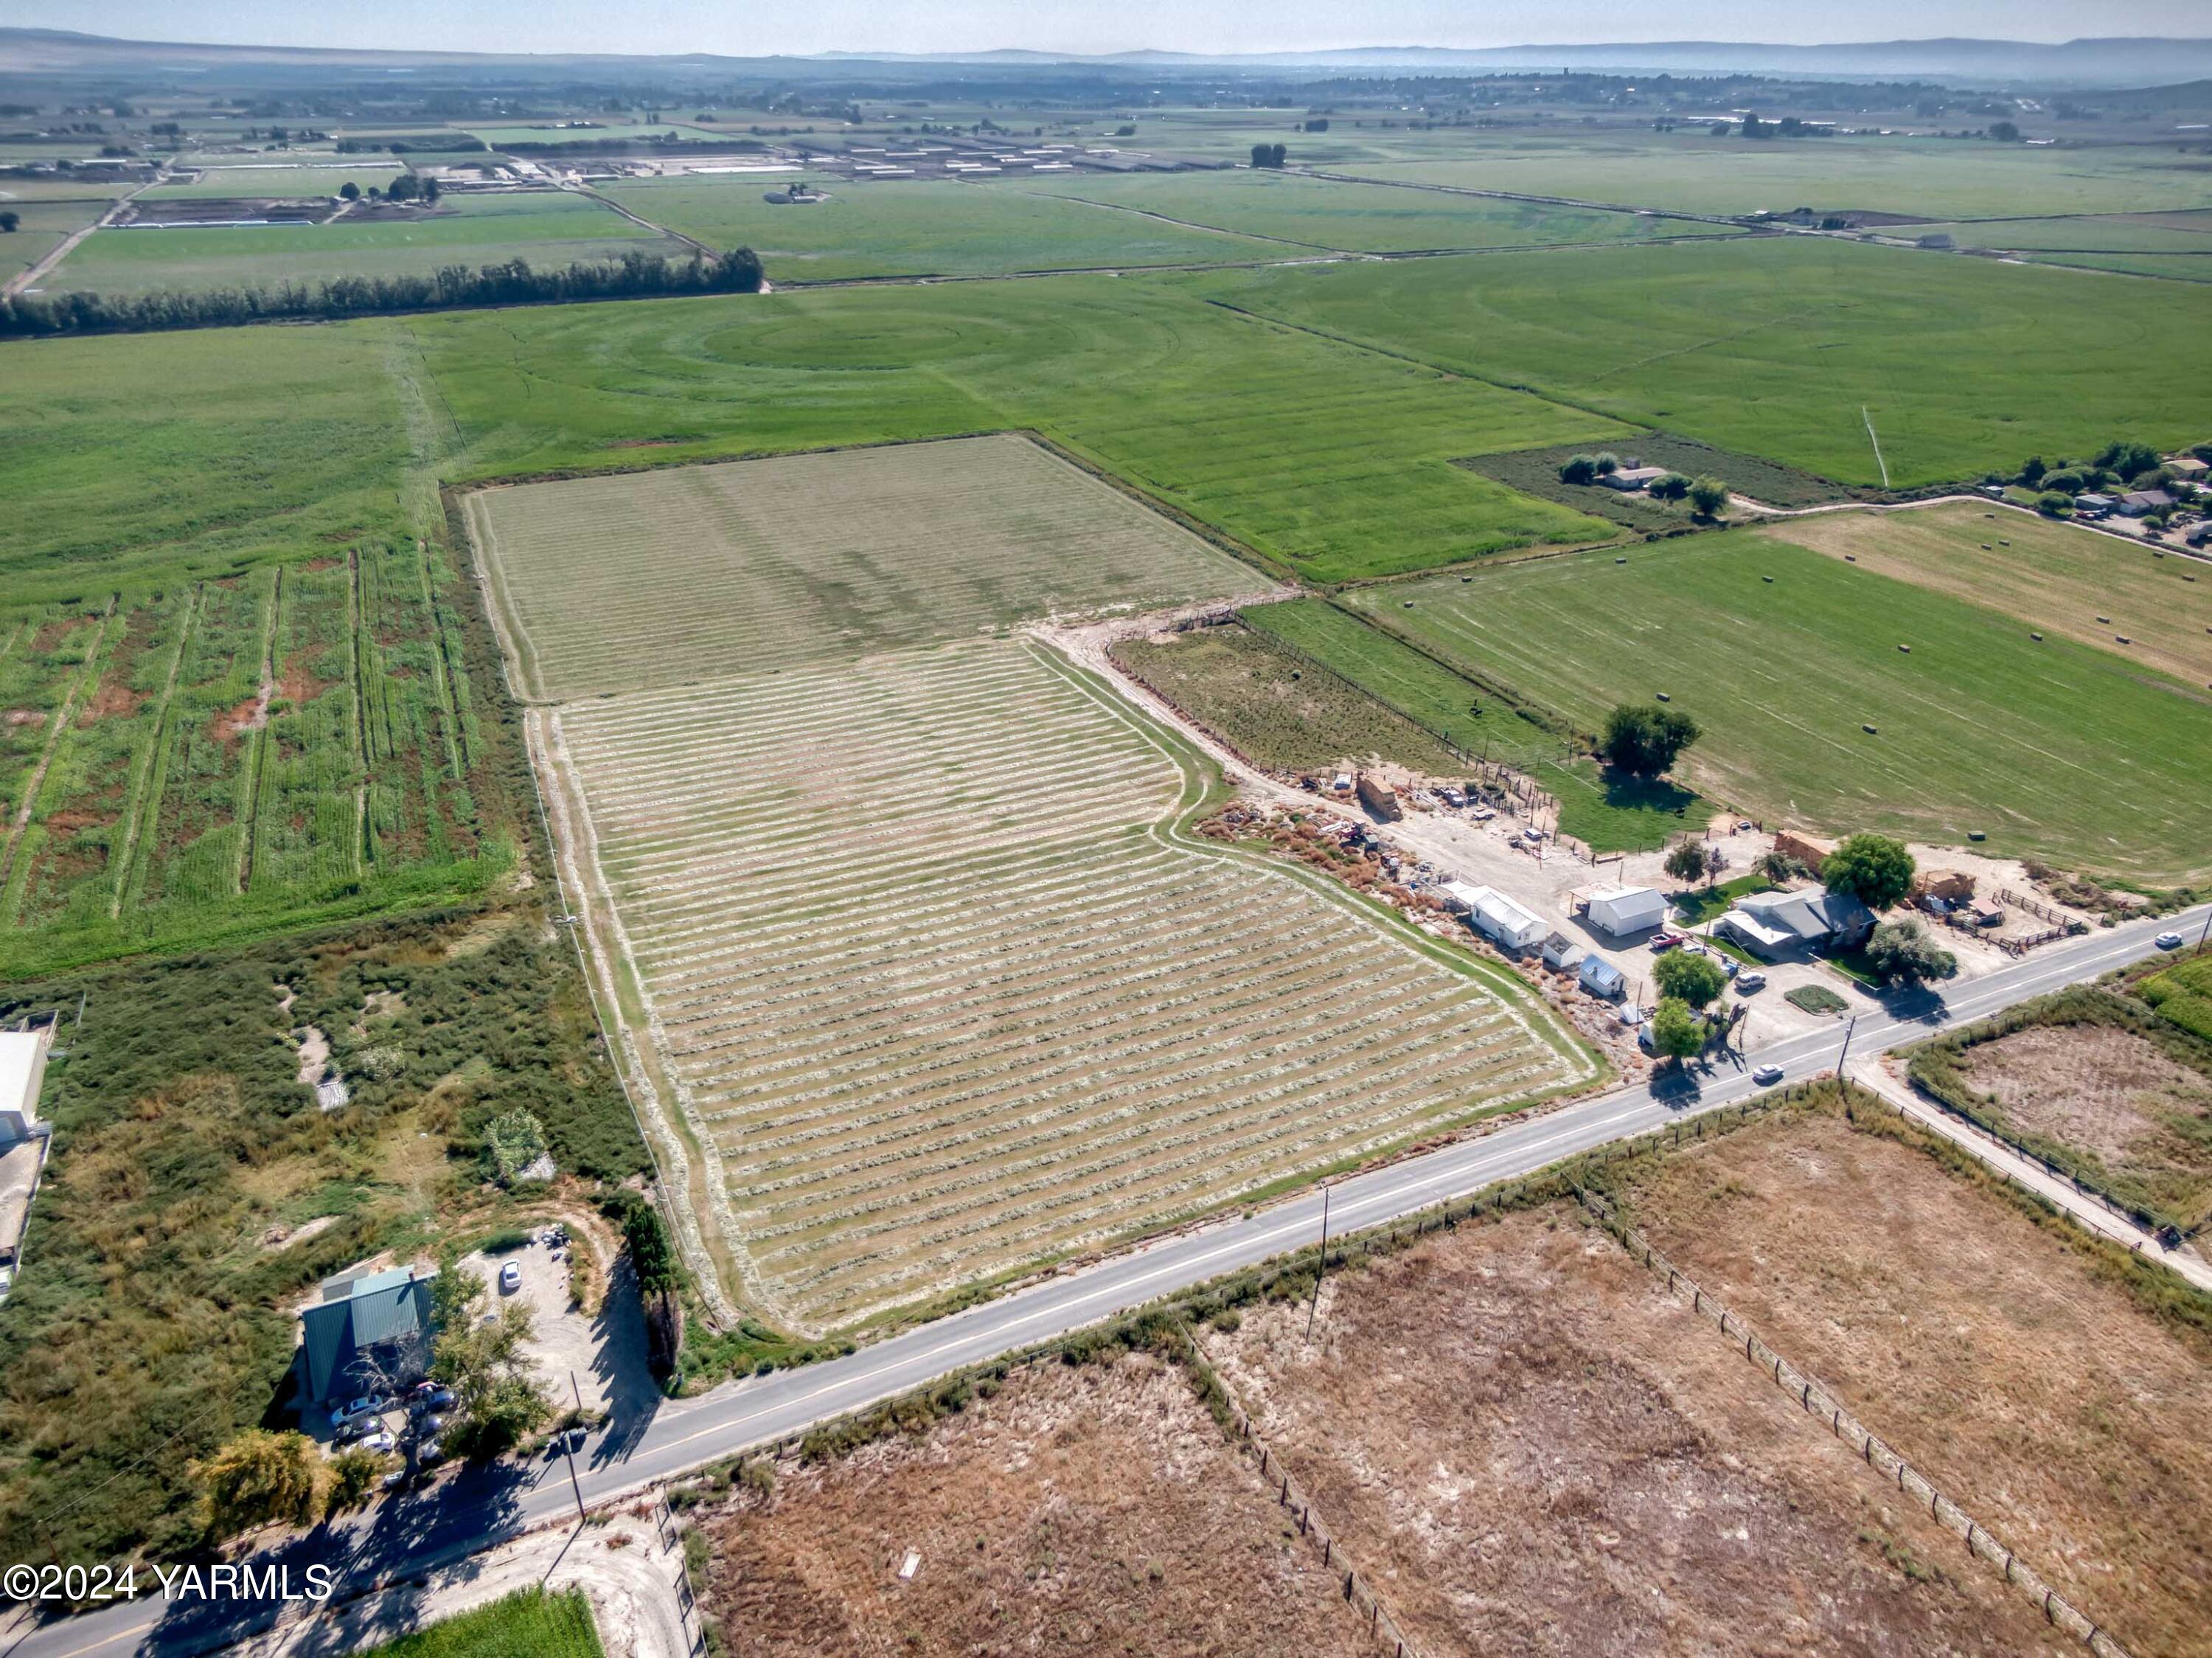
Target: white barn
{"points": [[1621, 911]]}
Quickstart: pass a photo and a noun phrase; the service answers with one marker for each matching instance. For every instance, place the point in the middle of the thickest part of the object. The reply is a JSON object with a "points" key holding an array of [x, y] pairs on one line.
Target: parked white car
{"points": [[510, 1278], [367, 1404]]}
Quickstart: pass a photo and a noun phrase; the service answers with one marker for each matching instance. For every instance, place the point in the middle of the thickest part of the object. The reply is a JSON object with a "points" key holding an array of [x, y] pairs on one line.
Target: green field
{"points": [[279, 182], [223, 758], [615, 131], [529, 1625], [1785, 346], [1318, 213], [547, 230], [1691, 171], [1275, 708], [1610, 813], [44, 225], [1335, 460], [926, 226], [2051, 749]]}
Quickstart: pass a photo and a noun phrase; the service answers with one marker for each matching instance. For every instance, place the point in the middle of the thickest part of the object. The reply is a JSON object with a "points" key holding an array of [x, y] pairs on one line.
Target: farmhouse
{"points": [[2188, 467], [2136, 502], [1775, 924], [1495, 916], [1629, 479], [380, 1324], [1622, 911], [2093, 506]]}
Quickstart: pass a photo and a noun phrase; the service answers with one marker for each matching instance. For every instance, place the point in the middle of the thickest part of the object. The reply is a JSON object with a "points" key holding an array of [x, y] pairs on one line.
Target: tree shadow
{"points": [[619, 1361], [1626, 792]]}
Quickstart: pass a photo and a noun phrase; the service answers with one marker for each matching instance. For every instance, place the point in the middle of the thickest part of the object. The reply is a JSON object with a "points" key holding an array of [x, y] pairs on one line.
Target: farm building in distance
{"points": [[1622, 911], [1776, 923], [1601, 978], [1629, 479]]}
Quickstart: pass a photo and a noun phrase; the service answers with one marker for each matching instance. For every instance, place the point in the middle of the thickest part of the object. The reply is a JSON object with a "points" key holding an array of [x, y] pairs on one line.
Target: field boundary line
{"points": [[1290, 1495], [1822, 1402]]}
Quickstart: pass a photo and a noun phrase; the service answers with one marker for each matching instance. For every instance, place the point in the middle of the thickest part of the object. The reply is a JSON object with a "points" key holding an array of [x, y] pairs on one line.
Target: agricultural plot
{"points": [[941, 999], [1784, 347], [1515, 1431], [1329, 458], [1537, 473], [764, 565], [1691, 171], [1889, 1266], [1786, 657], [278, 181], [45, 226], [1273, 708], [2056, 578], [912, 227], [235, 753], [938, 990], [2156, 243], [1306, 213], [2121, 1101], [1606, 812], [543, 230], [1067, 1511]]}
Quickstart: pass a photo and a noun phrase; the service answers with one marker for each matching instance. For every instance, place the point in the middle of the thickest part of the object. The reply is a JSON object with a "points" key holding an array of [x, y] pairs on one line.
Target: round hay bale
{"points": [[2037, 637], [1907, 649], [1872, 731], [1662, 695], [1976, 834]]}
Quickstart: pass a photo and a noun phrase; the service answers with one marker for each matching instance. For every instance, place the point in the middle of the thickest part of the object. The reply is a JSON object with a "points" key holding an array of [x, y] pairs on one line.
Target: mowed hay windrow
{"points": [[1075, 1511], [659, 578], [1526, 1445], [898, 911], [941, 1000], [2036, 1390]]}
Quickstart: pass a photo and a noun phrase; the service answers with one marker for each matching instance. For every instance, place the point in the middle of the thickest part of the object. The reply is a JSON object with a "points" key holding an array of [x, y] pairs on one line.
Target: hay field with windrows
{"points": [[646, 579], [942, 995]]}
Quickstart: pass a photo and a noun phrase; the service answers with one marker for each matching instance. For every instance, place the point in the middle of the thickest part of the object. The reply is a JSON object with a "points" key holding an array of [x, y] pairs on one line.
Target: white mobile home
{"points": [[1497, 916]]}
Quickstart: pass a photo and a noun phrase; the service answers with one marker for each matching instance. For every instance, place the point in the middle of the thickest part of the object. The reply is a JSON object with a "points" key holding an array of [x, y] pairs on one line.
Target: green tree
{"points": [[1605, 463], [1873, 868], [1644, 739], [2126, 460], [1677, 1034], [8, 221], [1667, 486], [350, 191], [1265, 154], [2005, 132], [496, 1400], [1579, 469], [354, 1474], [259, 1479], [1901, 953], [1707, 495], [2032, 473], [2067, 480], [1693, 980], [1686, 862], [2053, 504], [431, 190]]}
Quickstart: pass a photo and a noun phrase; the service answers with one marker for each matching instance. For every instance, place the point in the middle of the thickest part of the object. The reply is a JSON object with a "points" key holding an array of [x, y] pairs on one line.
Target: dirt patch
{"points": [[24, 716], [111, 699], [2043, 1396], [2107, 1091], [1530, 1448], [249, 716], [1095, 1509]]}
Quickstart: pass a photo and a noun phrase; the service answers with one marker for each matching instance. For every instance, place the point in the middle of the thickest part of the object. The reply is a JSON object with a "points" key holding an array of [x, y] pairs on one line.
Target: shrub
{"points": [[2051, 505], [1579, 469], [1693, 980], [1707, 495], [1644, 739], [1901, 953], [1873, 868], [1668, 487]]}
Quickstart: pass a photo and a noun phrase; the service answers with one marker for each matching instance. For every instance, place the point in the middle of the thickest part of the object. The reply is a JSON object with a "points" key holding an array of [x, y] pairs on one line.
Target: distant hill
{"points": [[2103, 63]]}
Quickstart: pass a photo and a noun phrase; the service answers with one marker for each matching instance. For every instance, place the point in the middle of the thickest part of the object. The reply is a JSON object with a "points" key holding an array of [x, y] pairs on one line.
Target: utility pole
{"points": [[1321, 1267], [568, 1448], [2207, 933], [1846, 1053]]}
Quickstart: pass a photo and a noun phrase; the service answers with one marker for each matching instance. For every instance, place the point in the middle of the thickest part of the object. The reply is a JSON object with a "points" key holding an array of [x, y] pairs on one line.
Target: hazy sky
{"points": [[749, 28]]}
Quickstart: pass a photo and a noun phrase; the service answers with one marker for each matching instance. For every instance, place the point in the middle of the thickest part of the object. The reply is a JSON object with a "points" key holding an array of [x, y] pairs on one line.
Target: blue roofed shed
{"points": [[384, 1317]]}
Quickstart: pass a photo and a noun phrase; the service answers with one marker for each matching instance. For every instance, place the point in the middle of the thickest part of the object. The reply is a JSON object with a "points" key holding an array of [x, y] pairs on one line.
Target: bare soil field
{"points": [[2052, 1404], [2057, 578], [1528, 1447], [658, 578], [2109, 1091], [1091, 1509]]}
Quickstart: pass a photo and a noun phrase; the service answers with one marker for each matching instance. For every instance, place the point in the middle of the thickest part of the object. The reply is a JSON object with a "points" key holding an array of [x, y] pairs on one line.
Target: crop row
{"points": [[941, 1002]]}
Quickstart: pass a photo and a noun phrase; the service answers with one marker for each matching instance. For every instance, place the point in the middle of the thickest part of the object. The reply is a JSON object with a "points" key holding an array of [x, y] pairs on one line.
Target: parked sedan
{"points": [[1767, 1075], [367, 1404], [1746, 982], [381, 1443], [510, 1278]]}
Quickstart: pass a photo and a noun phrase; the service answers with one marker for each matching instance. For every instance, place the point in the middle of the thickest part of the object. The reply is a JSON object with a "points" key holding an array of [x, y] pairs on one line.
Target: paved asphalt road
{"points": [[482, 1507]]}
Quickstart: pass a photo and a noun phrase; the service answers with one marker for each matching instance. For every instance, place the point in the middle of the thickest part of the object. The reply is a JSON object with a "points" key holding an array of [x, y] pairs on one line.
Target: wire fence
{"points": [[1358, 1592], [1821, 1403]]}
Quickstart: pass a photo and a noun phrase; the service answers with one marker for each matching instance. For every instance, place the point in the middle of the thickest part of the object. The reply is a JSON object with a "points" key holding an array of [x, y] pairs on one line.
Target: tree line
{"points": [[452, 287]]}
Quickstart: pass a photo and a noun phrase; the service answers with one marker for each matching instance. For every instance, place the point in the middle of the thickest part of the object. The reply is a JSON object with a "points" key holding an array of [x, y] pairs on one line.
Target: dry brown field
{"points": [[1991, 1352], [1528, 1447], [1079, 1510]]}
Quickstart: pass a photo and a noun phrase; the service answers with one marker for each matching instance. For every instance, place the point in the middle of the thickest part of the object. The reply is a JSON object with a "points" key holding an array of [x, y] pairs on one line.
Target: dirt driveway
{"points": [[602, 1358]]}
